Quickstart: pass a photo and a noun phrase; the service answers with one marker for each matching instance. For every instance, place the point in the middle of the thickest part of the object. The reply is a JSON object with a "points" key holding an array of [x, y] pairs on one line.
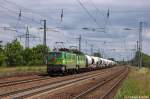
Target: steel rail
{"points": [[114, 86], [10, 83], [16, 94], [98, 85]]}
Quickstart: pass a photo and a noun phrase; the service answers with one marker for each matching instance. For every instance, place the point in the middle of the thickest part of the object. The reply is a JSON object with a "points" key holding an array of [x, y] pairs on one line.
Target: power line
{"points": [[100, 12], [10, 10], [32, 11], [27, 36], [86, 10], [95, 6], [17, 5], [130, 11]]}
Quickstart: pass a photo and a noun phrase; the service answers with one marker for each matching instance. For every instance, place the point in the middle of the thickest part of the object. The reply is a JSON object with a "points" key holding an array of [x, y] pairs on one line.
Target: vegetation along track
{"points": [[50, 86], [107, 87]]}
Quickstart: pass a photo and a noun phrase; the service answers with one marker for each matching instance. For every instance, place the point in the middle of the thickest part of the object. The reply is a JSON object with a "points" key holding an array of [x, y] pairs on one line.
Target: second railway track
{"points": [[88, 88], [10, 83], [50, 86], [88, 93]]}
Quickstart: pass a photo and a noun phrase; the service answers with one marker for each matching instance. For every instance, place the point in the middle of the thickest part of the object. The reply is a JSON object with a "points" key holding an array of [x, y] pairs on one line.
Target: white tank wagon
{"points": [[109, 63], [96, 59], [92, 61], [114, 63], [105, 63], [99, 63], [89, 60]]}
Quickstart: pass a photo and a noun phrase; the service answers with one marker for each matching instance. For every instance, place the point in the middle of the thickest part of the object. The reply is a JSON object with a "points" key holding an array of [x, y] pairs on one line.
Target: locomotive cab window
{"points": [[51, 55], [55, 55], [58, 55]]}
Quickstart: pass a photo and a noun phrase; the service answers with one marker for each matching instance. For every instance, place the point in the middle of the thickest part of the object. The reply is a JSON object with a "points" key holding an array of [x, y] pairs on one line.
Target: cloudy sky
{"points": [[87, 18]]}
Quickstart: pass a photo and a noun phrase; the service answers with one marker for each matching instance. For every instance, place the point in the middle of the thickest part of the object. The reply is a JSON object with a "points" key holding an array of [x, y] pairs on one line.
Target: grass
{"points": [[137, 85], [7, 71]]}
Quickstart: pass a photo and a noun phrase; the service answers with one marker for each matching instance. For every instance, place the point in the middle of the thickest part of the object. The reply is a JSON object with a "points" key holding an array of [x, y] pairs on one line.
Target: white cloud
{"points": [[146, 34]]}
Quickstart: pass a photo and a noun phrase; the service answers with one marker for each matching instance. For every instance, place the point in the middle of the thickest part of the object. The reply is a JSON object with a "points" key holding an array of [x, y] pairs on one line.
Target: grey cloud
{"points": [[123, 13]]}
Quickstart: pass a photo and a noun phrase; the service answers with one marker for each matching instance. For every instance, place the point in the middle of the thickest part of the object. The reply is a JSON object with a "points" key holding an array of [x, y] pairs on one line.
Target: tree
{"points": [[14, 53], [2, 56], [97, 54], [28, 56], [38, 55], [145, 60]]}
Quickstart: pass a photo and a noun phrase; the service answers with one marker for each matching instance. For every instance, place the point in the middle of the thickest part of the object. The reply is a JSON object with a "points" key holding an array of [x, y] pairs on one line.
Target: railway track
{"points": [[119, 76], [15, 82], [13, 79], [10, 83], [50, 86], [115, 85]]}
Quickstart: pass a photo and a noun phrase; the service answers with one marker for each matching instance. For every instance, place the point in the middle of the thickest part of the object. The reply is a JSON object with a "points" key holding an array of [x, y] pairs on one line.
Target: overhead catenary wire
{"points": [[14, 12], [66, 29], [17, 31], [106, 16], [18, 14], [18, 6], [89, 14], [97, 9], [33, 12]]}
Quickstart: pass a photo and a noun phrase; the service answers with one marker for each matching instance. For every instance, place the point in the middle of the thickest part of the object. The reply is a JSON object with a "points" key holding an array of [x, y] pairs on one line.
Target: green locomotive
{"points": [[62, 62]]}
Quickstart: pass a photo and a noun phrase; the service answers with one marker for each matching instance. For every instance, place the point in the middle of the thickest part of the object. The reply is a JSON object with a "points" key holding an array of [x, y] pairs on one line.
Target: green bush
{"points": [[2, 58], [145, 60], [14, 54]]}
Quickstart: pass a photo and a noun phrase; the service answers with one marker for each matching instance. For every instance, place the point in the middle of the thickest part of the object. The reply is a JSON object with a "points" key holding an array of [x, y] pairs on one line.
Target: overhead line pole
{"points": [[79, 42], [44, 36], [140, 43], [27, 38], [138, 56], [44, 43], [91, 49]]}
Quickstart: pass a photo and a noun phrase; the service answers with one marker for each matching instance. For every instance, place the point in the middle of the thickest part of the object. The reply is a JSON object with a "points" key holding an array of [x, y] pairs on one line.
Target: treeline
{"points": [[145, 60], [13, 54]]}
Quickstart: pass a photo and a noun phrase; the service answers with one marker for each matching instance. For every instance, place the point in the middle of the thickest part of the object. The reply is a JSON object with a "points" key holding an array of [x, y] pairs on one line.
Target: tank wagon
{"points": [[64, 62]]}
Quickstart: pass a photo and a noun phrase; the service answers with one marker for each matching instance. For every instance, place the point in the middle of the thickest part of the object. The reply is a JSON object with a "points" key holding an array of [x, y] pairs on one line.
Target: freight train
{"points": [[69, 62]]}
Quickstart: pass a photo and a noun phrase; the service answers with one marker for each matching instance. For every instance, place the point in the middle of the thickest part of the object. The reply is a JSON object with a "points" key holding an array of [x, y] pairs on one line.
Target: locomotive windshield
{"points": [[55, 55]]}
